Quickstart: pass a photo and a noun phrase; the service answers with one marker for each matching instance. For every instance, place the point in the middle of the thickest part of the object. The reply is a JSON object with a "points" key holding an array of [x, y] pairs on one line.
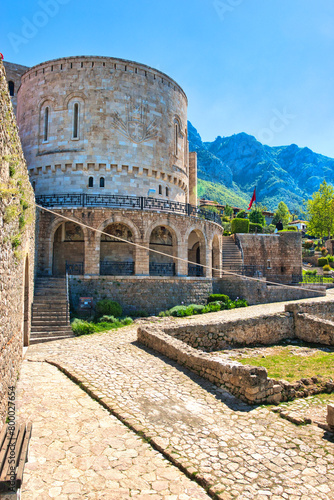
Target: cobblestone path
{"points": [[240, 452], [79, 451]]}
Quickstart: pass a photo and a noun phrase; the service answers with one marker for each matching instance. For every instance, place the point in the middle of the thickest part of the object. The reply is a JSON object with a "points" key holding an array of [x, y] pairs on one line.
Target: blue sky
{"points": [[264, 67]]}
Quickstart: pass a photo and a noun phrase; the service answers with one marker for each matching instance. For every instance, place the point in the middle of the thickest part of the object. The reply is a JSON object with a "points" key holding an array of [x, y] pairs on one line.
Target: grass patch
{"points": [[291, 367]]}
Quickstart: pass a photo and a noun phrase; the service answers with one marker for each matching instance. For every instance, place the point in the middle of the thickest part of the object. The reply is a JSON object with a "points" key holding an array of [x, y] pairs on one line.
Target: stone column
{"points": [[142, 262], [92, 253]]}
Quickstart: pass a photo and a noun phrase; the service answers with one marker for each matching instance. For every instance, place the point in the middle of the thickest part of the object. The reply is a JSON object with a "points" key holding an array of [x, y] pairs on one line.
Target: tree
{"points": [[320, 211], [228, 210], [282, 214], [256, 216], [242, 214]]}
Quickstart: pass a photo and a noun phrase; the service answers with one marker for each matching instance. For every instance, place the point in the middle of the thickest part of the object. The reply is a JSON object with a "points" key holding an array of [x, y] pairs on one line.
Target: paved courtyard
{"points": [[235, 450]]}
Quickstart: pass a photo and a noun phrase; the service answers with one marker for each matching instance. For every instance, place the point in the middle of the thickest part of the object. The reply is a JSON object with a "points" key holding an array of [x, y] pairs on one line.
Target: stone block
{"points": [[330, 416]]}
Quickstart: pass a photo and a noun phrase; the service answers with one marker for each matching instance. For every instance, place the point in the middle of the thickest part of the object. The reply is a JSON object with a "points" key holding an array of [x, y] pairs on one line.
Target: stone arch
{"points": [[26, 302], [197, 246], [68, 248], [216, 257], [163, 238], [117, 258]]}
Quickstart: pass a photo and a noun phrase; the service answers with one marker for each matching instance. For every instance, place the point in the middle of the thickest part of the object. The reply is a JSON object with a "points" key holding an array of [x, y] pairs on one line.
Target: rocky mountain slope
{"points": [[233, 166]]}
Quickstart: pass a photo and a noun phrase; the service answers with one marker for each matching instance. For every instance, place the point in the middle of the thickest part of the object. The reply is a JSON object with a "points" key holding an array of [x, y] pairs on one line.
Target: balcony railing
{"points": [[197, 271], [163, 269], [124, 202], [75, 268], [110, 268]]}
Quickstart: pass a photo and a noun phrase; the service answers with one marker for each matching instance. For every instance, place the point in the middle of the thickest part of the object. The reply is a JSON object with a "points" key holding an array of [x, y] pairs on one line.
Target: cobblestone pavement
{"points": [[79, 451], [240, 452]]}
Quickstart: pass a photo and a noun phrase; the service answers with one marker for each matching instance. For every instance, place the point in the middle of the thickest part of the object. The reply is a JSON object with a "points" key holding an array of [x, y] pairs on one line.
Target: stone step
{"points": [[49, 323], [42, 299], [54, 338], [54, 328]]}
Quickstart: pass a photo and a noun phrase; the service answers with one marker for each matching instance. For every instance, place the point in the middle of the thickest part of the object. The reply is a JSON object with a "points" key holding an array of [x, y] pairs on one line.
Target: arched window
{"points": [[176, 139], [11, 88], [46, 124], [91, 182], [167, 191], [101, 182], [76, 121], [160, 189]]}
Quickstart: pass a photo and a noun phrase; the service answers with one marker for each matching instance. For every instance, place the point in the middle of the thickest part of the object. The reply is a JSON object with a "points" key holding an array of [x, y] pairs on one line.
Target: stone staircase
{"points": [[50, 314], [232, 258]]}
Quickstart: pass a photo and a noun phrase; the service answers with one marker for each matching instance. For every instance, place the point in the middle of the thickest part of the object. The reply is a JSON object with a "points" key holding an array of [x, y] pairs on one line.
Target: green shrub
{"points": [[330, 258], [242, 214], [127, 321], [106, 325], [241, 303], [240, 225], [311, 273], [164, 314], [197, 308], [270, 229], [214, 306], [292, 228], [178, 311], [230, 304], [218, 297], [255, 228], [107, 319], [327, 268], [323, 261], [81, 327], [109, 308], [225, 219]]}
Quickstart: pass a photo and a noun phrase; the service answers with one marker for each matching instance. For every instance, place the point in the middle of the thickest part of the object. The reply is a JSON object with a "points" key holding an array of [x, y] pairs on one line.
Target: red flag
{"points": [[252, 200]]}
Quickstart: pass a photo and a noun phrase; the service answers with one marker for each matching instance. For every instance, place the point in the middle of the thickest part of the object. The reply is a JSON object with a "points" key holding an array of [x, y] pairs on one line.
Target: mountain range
{"points": [[229, 168]]}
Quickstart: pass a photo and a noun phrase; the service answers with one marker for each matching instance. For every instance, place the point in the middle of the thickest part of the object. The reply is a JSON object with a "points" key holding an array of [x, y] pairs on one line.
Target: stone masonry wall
{"points": [[17, 221], [215, 335], [313, 321], [249, 383], [258, 292], [151, 294], [280, 254]]}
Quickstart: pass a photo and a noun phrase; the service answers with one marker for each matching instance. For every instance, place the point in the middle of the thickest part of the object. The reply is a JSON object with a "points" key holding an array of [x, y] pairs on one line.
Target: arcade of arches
{"points": [[84, 251]]}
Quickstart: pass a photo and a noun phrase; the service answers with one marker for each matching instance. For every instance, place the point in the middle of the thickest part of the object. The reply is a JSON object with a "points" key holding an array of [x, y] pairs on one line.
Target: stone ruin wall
{"points": [[17, 225], [189, 341]]}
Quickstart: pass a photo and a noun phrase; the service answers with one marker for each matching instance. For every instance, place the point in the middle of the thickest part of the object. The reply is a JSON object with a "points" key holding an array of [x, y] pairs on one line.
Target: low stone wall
{"points": [[219, 334], [151, 294], [248, 383], [313, 321], [259, 292]]}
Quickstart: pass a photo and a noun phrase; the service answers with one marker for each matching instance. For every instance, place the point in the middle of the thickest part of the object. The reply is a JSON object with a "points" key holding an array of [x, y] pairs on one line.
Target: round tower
{"points": [[100, 125]]}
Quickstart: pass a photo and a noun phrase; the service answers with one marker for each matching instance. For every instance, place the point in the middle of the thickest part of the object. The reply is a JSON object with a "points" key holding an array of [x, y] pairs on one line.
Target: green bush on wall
{"points": [[108, 307], [255, 228], [323, 261], [218, 296], [240, 225], [292, 228]]}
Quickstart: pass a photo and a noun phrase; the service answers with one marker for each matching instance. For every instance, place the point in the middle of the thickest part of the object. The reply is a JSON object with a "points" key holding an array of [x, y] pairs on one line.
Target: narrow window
{"points": [[102, 182], [11, 88], [34, 185], [82, 64], [176, 139], [268, 264], [71, 65], [51, 68], [76, 121], [167, 192], [46, 124], [160, 189], [91, 182]]}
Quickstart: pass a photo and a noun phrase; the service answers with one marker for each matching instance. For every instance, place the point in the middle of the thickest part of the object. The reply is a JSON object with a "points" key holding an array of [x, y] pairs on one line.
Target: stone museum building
{"points": [[105, 142]]}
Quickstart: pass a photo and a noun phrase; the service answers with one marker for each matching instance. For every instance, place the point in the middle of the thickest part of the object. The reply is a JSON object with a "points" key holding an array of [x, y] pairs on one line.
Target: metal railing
{"points": [[67, 299], [162, 269], [76, 268], [110, 268], [124, 202], [197, 271]]}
